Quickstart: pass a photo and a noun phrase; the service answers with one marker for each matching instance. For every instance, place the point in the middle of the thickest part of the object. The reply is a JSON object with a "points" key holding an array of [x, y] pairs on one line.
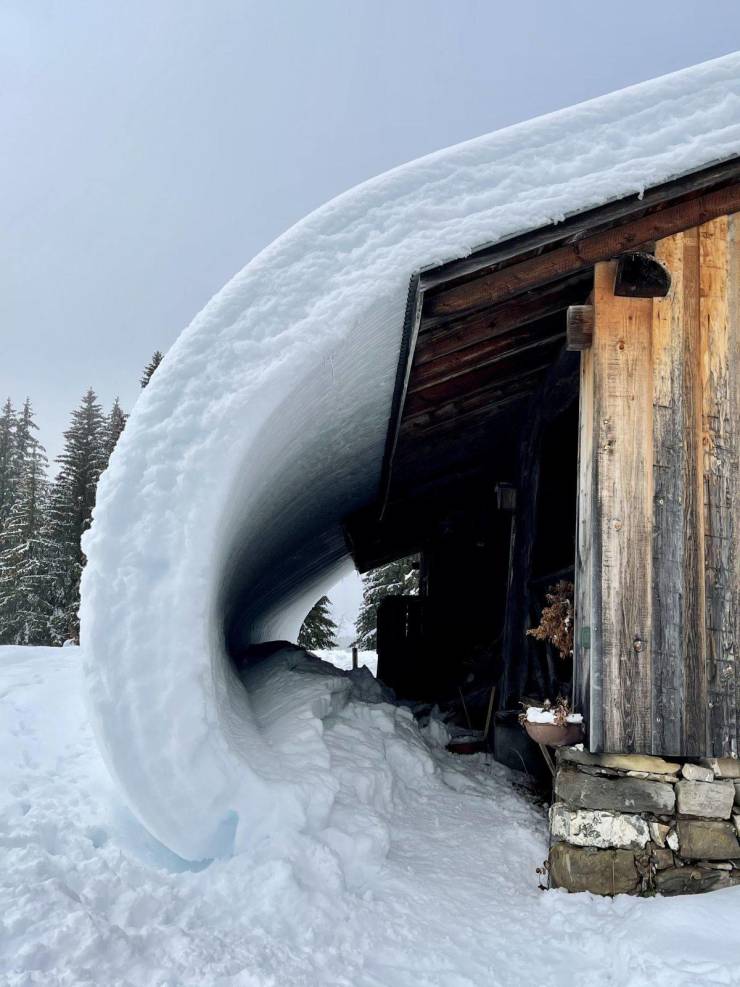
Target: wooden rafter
{"points": [[498, 286]]}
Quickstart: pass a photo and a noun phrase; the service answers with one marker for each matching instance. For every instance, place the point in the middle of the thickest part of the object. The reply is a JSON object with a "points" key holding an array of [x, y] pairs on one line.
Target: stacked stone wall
{"points": [[637, 824]]}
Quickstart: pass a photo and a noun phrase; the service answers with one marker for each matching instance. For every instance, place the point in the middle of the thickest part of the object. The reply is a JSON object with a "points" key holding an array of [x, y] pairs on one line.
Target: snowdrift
{"points": [[219, 517]]}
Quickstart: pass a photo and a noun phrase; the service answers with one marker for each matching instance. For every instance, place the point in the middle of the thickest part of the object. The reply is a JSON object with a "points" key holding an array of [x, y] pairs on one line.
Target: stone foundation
{"points": [[636, 824]]}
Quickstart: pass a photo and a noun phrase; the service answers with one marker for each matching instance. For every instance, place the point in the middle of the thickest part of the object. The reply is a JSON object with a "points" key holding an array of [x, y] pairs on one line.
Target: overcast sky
{"points": [[151, 147]]}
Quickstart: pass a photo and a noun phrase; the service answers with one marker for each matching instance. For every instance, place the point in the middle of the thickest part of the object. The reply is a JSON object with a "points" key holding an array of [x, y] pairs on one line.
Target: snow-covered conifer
{"points": [[72, 500], [8, 426], [150, 368], [115, 425], [24, 436], [318, 629], [25, 586], [400, 578]]}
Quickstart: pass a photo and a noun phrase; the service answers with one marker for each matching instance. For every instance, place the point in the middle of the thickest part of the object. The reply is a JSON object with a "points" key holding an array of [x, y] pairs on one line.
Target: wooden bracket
{"points": [[579, 330], [640, 275]]}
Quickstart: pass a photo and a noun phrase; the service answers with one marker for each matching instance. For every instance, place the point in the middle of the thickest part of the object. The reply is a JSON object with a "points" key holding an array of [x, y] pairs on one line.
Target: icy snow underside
{"points": [[264, 427], [423, 875]]}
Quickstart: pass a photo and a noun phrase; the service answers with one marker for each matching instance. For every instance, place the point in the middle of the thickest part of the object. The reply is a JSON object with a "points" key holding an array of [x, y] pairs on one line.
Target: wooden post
{"points": [[355, 663], [623, 411], [587, 678], [720, 354], [657, 623]]}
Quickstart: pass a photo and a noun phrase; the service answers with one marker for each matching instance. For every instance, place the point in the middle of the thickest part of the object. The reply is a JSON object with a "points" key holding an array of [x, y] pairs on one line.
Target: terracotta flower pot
{"points": [[554, 735]]}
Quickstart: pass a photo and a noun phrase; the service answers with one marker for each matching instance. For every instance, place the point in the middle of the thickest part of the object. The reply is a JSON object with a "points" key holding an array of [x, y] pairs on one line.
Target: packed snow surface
{"points": [[422, 875], [219, 517]]}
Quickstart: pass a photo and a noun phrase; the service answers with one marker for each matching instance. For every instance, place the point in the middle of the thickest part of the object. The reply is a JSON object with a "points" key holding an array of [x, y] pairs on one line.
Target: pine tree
{"points": [[8, 425], [115, 425], [318, 629], [400, 578], [25, 588], [150, 368], [70, 510], [24, 436]]}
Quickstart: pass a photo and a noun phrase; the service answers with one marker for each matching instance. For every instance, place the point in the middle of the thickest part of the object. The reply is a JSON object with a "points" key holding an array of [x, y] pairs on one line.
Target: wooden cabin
{"points": [[567, 405]]}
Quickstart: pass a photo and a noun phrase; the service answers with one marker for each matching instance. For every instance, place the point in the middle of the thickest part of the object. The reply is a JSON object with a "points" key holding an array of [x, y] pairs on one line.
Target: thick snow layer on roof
{"points": [[265, 425]]}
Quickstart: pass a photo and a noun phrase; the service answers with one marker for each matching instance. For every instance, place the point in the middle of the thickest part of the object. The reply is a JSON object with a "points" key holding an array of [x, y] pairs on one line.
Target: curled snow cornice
{"points": [[264, 427]]}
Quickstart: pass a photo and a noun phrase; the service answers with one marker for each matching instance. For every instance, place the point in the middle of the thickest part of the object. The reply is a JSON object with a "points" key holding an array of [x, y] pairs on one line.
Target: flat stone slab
{"points": [[694, 880], [707, 839], [590, 827], [723, 767], [737, 791], [702, 798], [696, 772], [669, 779], [614, 794], [621, 762], [605, 872]]}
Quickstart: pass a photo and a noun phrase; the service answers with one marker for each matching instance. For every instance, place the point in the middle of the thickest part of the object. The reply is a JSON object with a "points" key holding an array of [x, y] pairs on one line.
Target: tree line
{"points": [[42, 520]]}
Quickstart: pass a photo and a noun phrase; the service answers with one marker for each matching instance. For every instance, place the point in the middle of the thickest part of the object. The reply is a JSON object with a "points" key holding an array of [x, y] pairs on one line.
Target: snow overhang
{"points": [[266, 425]]}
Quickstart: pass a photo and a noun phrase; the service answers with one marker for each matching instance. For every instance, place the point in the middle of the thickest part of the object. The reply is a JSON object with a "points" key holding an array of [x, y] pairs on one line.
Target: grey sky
{"points": [[151, 148]]}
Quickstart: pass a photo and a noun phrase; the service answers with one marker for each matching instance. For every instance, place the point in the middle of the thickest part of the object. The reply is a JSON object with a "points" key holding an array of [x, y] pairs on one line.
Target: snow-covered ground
{"points": [[342, 658], [423, 874]]}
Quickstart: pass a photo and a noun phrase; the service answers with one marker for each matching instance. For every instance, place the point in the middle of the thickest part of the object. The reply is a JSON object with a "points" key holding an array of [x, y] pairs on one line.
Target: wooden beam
{"points": [[587, 666], [575, 227], [442, 335], [484, 354], [621, 513], [641, 275], [674, 569], [720, 355], [579, 329], [433, 405], [498, 286]]}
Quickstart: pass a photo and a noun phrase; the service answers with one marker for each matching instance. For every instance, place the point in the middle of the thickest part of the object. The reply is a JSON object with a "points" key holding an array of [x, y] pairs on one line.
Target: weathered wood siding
{"points": [[658, 559]]}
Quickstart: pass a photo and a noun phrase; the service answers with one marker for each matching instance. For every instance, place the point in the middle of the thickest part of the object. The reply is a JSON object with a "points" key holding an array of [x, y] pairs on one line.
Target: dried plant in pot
{"points": [[552, 723], [555, 724]]}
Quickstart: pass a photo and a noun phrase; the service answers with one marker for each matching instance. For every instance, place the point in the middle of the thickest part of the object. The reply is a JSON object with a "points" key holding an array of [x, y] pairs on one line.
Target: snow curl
{"points": [[218, 521]]}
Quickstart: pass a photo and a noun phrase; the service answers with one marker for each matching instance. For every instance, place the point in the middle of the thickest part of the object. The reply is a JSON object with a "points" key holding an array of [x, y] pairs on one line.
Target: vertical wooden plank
{"points": [[668, 505], [623, 399], [587, 679], [719, 356], [734, 472], [693, 642]]}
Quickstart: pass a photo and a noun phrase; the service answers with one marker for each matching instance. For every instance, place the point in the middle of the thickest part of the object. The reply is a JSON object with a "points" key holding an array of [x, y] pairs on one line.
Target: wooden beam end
{"points": [[579, 332]]}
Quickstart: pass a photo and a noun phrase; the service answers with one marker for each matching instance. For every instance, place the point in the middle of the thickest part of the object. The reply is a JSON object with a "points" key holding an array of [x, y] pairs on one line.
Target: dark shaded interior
{"points": [[482, 484]]}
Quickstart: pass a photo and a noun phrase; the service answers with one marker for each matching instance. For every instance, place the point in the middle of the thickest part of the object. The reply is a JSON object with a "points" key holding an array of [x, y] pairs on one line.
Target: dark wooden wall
{"points": [[658, 553]]}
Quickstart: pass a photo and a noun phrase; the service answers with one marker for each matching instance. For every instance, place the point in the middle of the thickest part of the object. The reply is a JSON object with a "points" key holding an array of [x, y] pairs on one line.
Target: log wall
{"points": [[658, 554]]}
